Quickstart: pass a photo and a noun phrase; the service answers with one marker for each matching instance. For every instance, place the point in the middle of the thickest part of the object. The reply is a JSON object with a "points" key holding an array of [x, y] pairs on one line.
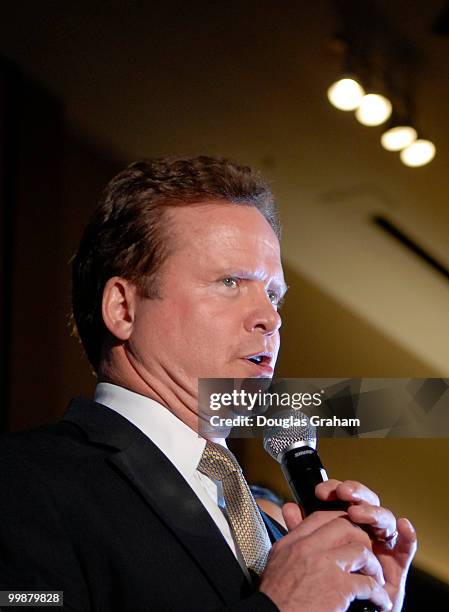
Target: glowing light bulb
{"points": [[345, 94], [419, 153], [399, 137], [374, 109]]}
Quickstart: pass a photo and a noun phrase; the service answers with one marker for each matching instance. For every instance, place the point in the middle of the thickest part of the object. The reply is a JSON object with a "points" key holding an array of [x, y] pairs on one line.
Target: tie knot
{"points": [[217, 462]]}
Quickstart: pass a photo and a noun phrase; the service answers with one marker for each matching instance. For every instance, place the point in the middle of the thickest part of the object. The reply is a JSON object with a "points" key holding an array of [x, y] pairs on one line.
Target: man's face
{"points": [[219, 290]]}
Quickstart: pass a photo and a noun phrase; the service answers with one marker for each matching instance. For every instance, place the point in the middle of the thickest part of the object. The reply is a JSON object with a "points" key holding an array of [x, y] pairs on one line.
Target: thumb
{"points": [[292, 515]]}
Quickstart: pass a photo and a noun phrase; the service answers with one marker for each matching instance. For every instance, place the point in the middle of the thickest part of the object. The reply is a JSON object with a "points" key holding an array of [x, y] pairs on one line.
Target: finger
{"points": [[355, 557], [406, 530], [407, 540], [320, 518], [349, 490], [365, 587], [317, 534], [327, 490], [292, 515], [381, 522], [333, 534]]}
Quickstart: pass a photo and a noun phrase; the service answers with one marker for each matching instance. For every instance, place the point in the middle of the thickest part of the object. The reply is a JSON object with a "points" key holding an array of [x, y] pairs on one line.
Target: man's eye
{"points": [[274, 297], [231, 282]]}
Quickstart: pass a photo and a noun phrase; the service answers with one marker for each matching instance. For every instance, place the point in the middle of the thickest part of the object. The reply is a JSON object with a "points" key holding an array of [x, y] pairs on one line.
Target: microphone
{"points": [[294, 448]]}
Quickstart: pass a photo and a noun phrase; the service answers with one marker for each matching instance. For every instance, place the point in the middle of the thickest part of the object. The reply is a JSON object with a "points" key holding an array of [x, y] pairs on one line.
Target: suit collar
{"points": [[102, 425], [170, 434], [163, 488]]}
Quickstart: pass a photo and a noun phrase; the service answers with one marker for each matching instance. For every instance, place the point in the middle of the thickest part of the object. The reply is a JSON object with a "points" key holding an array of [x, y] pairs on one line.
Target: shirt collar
{"points": [[183, 446]]}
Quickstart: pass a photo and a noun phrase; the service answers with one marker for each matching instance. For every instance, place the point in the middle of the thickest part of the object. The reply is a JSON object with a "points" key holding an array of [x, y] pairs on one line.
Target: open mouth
{"points": [[260, 359], [257, 359]]}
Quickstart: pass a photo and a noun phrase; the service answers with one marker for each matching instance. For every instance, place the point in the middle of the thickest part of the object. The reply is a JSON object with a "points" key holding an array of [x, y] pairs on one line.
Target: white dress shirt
{"points": [[180, 444]]}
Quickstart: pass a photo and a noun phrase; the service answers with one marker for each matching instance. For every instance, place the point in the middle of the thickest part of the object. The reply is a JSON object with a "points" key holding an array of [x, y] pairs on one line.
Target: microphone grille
{"points": [[278, 439]]}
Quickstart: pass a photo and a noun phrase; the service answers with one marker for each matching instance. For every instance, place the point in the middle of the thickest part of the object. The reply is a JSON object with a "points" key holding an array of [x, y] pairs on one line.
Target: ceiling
{"points": [[248, 81]]}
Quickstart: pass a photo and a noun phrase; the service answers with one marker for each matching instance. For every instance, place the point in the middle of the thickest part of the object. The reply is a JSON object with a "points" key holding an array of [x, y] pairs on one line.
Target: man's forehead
{"points": [[223, 222], [229, 239]]}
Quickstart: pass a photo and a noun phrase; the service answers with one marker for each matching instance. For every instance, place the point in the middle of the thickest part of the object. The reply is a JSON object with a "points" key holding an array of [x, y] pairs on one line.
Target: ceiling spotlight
{"points": [[419, 153], [398, 137], [374, 109], [345, 94]]}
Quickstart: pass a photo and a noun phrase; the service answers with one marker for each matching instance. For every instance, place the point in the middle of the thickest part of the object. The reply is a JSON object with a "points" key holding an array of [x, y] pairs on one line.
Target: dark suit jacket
{"points": [[91, 507]]}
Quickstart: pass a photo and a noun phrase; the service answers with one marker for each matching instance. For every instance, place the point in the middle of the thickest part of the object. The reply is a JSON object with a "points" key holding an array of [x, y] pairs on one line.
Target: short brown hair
{"points": [[127, 234]]}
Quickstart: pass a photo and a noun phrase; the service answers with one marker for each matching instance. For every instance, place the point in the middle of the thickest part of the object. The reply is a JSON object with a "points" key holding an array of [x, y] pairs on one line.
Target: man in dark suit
{"points": [[122, 505]]}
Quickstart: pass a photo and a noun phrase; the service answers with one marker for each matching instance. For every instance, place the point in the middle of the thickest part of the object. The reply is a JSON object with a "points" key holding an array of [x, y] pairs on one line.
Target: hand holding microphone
{"points": [[326, 561]]}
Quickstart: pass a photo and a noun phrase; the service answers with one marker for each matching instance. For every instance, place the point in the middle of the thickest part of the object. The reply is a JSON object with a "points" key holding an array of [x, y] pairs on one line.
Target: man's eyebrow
{"points": [[283, 287]]}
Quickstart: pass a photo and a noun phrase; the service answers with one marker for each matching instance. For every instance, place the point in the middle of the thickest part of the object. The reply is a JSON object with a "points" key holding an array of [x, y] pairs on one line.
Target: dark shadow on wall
{"points": [[425, 592], [49, 184]]}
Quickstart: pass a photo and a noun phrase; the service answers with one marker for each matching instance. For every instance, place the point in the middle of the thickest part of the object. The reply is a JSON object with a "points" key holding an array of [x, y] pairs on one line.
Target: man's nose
{"points": [[263, 315]]}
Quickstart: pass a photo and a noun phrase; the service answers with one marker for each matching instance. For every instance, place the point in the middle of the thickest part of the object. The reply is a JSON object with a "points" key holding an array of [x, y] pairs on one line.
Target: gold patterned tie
{"points": [[248, 527]]}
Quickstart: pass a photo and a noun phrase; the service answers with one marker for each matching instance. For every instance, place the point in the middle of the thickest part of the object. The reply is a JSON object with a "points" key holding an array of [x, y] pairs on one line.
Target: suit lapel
{"points": [[163, 488]]}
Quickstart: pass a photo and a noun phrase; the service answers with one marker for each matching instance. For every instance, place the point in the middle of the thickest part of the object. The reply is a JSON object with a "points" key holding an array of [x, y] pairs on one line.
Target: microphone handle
{"points": [[303, 470]]}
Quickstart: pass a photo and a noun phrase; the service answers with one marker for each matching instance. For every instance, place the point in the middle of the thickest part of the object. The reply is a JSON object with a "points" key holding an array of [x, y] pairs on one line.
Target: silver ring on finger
{"points": [[390, 540]]}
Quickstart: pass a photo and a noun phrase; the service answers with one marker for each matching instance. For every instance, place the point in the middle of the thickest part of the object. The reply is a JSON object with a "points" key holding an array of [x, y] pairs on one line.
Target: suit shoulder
{"points": [[41, 438], [50, 445]]}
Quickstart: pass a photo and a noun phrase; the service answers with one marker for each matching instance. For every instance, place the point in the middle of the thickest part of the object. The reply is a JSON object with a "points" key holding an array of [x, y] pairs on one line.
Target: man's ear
{"points": [[118, 306]]}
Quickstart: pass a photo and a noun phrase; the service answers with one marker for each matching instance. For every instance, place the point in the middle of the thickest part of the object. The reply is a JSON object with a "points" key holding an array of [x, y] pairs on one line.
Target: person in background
{"points": [[269, 503]]}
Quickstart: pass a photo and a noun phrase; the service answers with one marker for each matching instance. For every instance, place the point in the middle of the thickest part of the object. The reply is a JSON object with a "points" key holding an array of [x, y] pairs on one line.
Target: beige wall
{"points": [[322, 338]]}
